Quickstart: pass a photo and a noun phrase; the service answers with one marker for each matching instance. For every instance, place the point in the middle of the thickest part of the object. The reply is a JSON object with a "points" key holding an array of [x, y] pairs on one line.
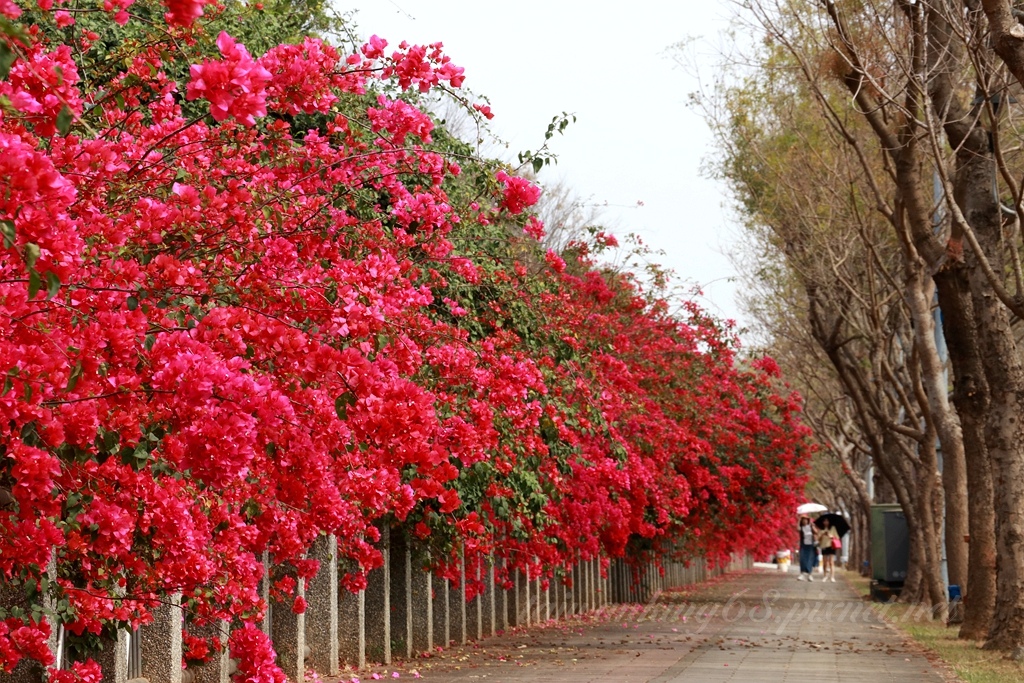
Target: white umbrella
{"points": [[811, 508]]}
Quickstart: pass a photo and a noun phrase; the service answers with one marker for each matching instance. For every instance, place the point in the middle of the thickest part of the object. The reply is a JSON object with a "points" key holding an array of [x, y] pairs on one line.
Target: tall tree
{"points": [[804, 192], [905, 67]]}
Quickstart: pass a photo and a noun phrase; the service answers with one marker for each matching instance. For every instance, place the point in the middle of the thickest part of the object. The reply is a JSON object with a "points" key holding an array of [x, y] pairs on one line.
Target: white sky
{"points": [[634, 139]]}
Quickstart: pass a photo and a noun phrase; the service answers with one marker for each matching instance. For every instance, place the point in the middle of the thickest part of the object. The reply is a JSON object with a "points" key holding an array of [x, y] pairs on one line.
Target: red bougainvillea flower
{"points": [[299, 605], [183, 12], [234, 86], [519, 193], [485, 110], [9, 9]]}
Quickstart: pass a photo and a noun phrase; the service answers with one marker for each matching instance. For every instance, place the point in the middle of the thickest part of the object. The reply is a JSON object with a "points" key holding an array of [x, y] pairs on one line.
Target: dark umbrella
{"points": [[837, 521]]}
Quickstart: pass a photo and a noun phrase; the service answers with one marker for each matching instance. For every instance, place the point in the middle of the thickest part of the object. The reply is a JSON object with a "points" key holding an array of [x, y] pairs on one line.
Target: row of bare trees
{"points": [[874, 152]]}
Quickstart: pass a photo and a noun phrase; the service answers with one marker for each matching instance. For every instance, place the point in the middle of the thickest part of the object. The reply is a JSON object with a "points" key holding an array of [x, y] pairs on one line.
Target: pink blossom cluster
{"points": [[400, 119], [520, 193], [42, 86], [422, 66], [301, 77], [183, 12], [234, 86], [255, 653]]}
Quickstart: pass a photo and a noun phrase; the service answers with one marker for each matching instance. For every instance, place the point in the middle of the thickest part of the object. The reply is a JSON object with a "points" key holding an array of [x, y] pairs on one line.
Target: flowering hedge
{"points": [[248, 300]]}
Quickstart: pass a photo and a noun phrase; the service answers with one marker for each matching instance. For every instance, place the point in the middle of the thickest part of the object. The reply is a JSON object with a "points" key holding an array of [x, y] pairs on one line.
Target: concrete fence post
{"points": [[592, 571], [463, 627], [535, 591], [457, 611], [161, 643], [288, 630], [408, 602], [516, 613], [439, 592], [420, 619], [447, 613], [504, 596], [213, 671], [562, 602], [474, 605], [377, 606], [399, 595], [322, 601], [351, 623], [529, 602], [479, 598], [492, 613], [266, 626], [584, 586], [113, 658]]}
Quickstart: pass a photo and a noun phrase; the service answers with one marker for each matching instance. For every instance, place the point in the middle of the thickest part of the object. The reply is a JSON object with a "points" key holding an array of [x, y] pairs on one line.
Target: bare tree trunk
{"points": [[957, 517], [928, 499], [913, 585], [1005, 440], [970, 396], [914, 497], [860, 554], [1004, 429], [865, 563], [919, 295], [982, 215], [884, 492], [1007, 35]]}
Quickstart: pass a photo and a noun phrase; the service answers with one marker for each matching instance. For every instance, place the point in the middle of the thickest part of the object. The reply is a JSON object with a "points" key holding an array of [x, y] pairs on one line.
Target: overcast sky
{"points": [[635, 140]]}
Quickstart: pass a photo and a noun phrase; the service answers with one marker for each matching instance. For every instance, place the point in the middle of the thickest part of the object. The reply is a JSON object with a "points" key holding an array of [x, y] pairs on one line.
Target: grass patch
{"points": [[971, 663], [861, 584]]}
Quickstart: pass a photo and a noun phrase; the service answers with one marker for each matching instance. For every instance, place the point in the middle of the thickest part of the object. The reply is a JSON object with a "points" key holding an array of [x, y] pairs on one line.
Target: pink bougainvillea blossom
{"points": [[234, 86], [520, 193]]}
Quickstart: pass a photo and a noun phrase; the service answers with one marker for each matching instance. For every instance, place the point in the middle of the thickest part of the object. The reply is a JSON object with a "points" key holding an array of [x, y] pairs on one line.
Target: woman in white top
{"points": [[828, 539]]}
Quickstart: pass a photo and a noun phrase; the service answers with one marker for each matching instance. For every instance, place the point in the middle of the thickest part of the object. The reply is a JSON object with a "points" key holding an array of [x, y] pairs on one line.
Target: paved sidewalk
{"points": [[748, 627]]}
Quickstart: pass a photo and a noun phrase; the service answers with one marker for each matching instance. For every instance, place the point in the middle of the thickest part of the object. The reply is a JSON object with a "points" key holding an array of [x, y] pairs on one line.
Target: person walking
{"points": [[829, 542], [807, 549]]}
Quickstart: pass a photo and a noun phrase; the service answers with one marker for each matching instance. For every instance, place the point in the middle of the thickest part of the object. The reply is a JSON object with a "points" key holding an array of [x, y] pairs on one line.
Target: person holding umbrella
{"points": [[808, 539], [832, 529]]}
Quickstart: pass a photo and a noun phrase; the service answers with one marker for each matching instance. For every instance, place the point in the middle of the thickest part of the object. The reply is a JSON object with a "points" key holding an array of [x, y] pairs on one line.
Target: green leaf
{"points": [[52, 284], [64, 119], [132, 303], [12, 30], [31, 254], [109, 441], [342, 403], [34, 283], [76, 373], [7, 230], [7, 58]]}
